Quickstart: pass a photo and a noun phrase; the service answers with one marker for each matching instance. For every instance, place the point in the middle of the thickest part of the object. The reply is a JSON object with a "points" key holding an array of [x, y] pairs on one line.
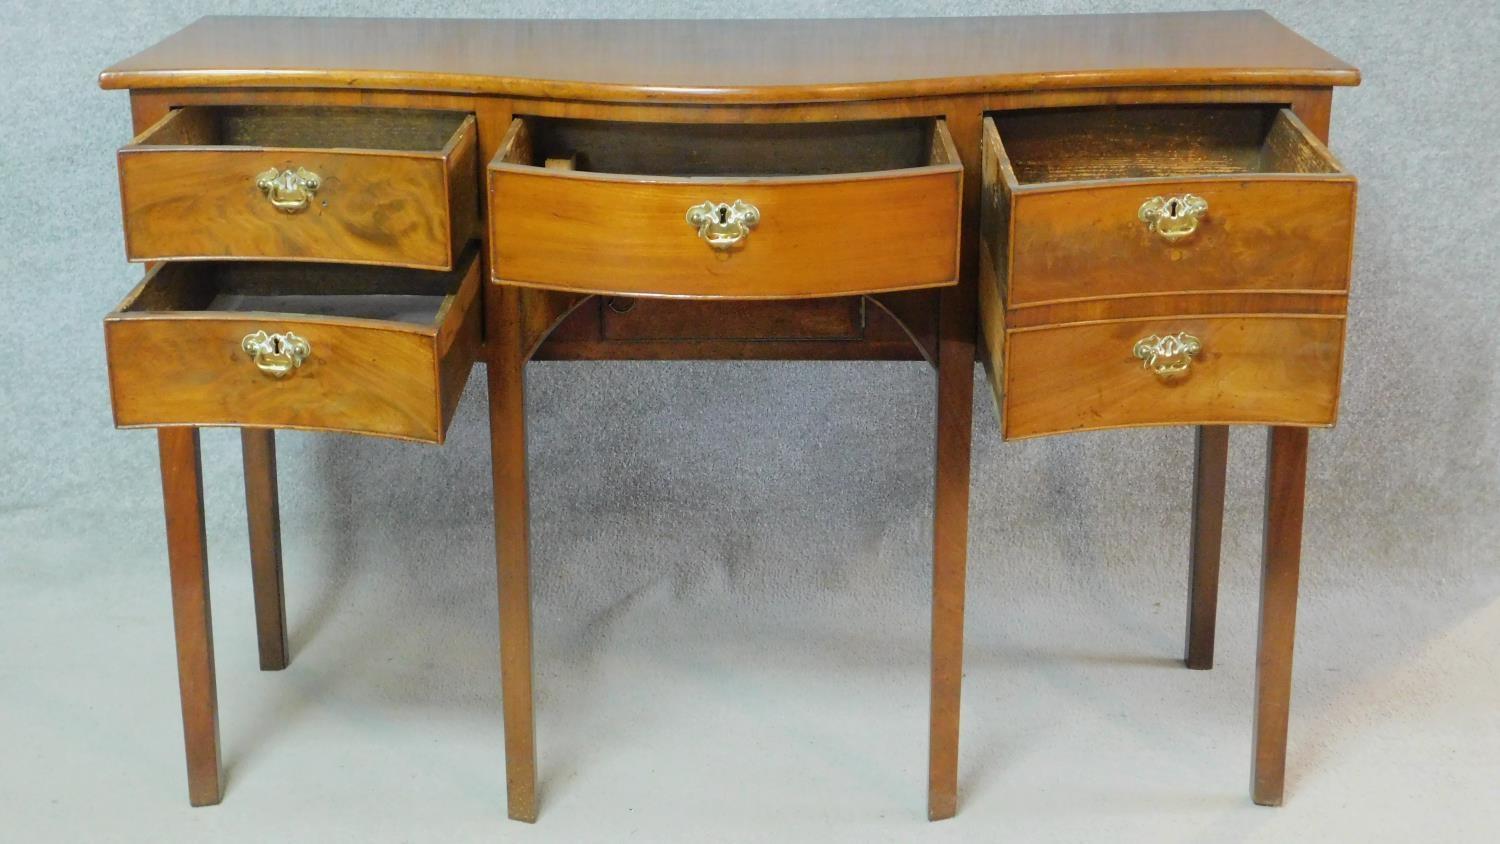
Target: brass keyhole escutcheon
{"points": [[276, 354], [723, 225], [1168, 355], [289, 191], [1173, 217]]}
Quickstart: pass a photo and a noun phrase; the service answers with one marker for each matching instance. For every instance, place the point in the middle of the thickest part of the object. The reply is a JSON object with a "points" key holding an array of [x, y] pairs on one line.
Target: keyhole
{"points": [[1172, 207], [723, 212], [276, 348]]}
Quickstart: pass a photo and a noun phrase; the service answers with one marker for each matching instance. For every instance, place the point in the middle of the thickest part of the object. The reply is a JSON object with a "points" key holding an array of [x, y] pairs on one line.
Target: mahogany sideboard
{"points": [[1130, 220]]}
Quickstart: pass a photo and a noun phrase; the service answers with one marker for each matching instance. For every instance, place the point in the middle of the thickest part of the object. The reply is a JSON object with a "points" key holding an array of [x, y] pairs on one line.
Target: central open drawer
{"points": [[368, 350], [725, 211]]}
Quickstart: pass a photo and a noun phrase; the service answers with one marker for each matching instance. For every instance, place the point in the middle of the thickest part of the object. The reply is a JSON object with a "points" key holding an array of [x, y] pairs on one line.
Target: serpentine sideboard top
{"points": [[726, 61]]}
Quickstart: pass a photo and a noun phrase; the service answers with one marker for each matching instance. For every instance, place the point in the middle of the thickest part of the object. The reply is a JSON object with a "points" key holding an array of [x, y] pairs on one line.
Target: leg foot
{"points": [[1286, 478], [187, 553], [263, 510], [1208, 530]]}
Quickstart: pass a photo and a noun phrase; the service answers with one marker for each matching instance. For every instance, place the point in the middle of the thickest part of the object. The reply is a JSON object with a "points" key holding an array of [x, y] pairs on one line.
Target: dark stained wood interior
{"points": [[744, 149], [319, 127], [195, 286], [1121, 142]]}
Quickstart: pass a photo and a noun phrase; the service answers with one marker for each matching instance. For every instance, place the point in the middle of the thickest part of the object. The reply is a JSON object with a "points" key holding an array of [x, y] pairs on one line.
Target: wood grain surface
{"points": [[735, 61], [188, 190], [824, 235], [1252, 370], [1263, 231], [192, 620], [173, 363], [1286, 490]]}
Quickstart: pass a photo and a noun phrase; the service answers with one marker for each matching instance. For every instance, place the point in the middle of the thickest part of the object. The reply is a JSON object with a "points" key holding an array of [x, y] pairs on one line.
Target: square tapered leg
{"points": [[1209, 472], [263, 513], [187, 554], [1286, 479]]}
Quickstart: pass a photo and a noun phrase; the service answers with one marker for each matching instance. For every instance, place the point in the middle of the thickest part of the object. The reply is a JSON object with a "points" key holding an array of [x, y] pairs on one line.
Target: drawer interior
{"points": [[1122, 142], [306, 127], [387, 294], [711, 149]]}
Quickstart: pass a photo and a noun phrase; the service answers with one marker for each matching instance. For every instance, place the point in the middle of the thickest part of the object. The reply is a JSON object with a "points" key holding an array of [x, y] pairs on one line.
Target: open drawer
{"points": [[725, 211], [1093, 203], [393, 187], [366, 350]]}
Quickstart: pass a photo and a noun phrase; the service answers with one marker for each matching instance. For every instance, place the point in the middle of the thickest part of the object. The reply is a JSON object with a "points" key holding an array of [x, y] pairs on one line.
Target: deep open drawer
{"points": [[725, 211], [367, 350]]}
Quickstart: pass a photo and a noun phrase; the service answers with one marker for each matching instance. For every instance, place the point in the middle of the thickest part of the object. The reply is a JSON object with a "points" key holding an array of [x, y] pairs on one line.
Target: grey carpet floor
{"points": [[704, 708]]}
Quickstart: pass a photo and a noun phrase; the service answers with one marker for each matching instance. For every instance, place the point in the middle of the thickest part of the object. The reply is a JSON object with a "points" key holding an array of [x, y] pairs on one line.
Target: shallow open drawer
{"points": [[725, 211], [1094, 203], [364, 350], [355, 185]]}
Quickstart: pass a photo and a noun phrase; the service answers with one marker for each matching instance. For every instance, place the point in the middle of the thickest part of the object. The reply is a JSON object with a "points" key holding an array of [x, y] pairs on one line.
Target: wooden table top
{"points": [[735, 61]]}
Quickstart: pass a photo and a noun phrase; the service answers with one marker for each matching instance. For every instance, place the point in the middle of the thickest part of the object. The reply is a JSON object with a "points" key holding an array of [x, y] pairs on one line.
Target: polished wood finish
{"points": [[1200, 304], [1209, 472], [1252, 370], [950, 508], [263, 511], [187, 554], [397, 187], [798, 104], [1286, 482], [1277, 220], [176, 361], [625, 233], [740, 61], [507, 391]]}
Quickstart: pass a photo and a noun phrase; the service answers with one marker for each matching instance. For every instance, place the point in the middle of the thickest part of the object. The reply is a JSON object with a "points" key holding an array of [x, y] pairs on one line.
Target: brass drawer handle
{"points": [[288, 191], [723, 225], [1173, 217], [1169, 355], [276, 354]]}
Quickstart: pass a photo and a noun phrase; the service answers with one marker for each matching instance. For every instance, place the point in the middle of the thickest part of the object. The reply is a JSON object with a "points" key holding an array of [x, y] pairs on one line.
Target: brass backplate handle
{"points": [[289, 191], [1173, 217], [276, 354], [1167, 355], [724, 225]]}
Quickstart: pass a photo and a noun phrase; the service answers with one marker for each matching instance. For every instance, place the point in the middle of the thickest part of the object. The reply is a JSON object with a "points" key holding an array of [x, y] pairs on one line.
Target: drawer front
{"points": [[774, 237], [187, 200], [1268, 233], [359, 375], [1273, 370]]}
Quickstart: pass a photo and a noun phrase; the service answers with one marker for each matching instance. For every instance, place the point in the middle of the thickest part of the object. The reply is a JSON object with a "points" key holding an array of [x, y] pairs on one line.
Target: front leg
{"points": [[1286, 482], [187, 555], [507, 395], [950, 547]]}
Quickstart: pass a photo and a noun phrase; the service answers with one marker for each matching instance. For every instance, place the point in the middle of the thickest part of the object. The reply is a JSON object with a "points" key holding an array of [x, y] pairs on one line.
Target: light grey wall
{"points": [[781, 476]]}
